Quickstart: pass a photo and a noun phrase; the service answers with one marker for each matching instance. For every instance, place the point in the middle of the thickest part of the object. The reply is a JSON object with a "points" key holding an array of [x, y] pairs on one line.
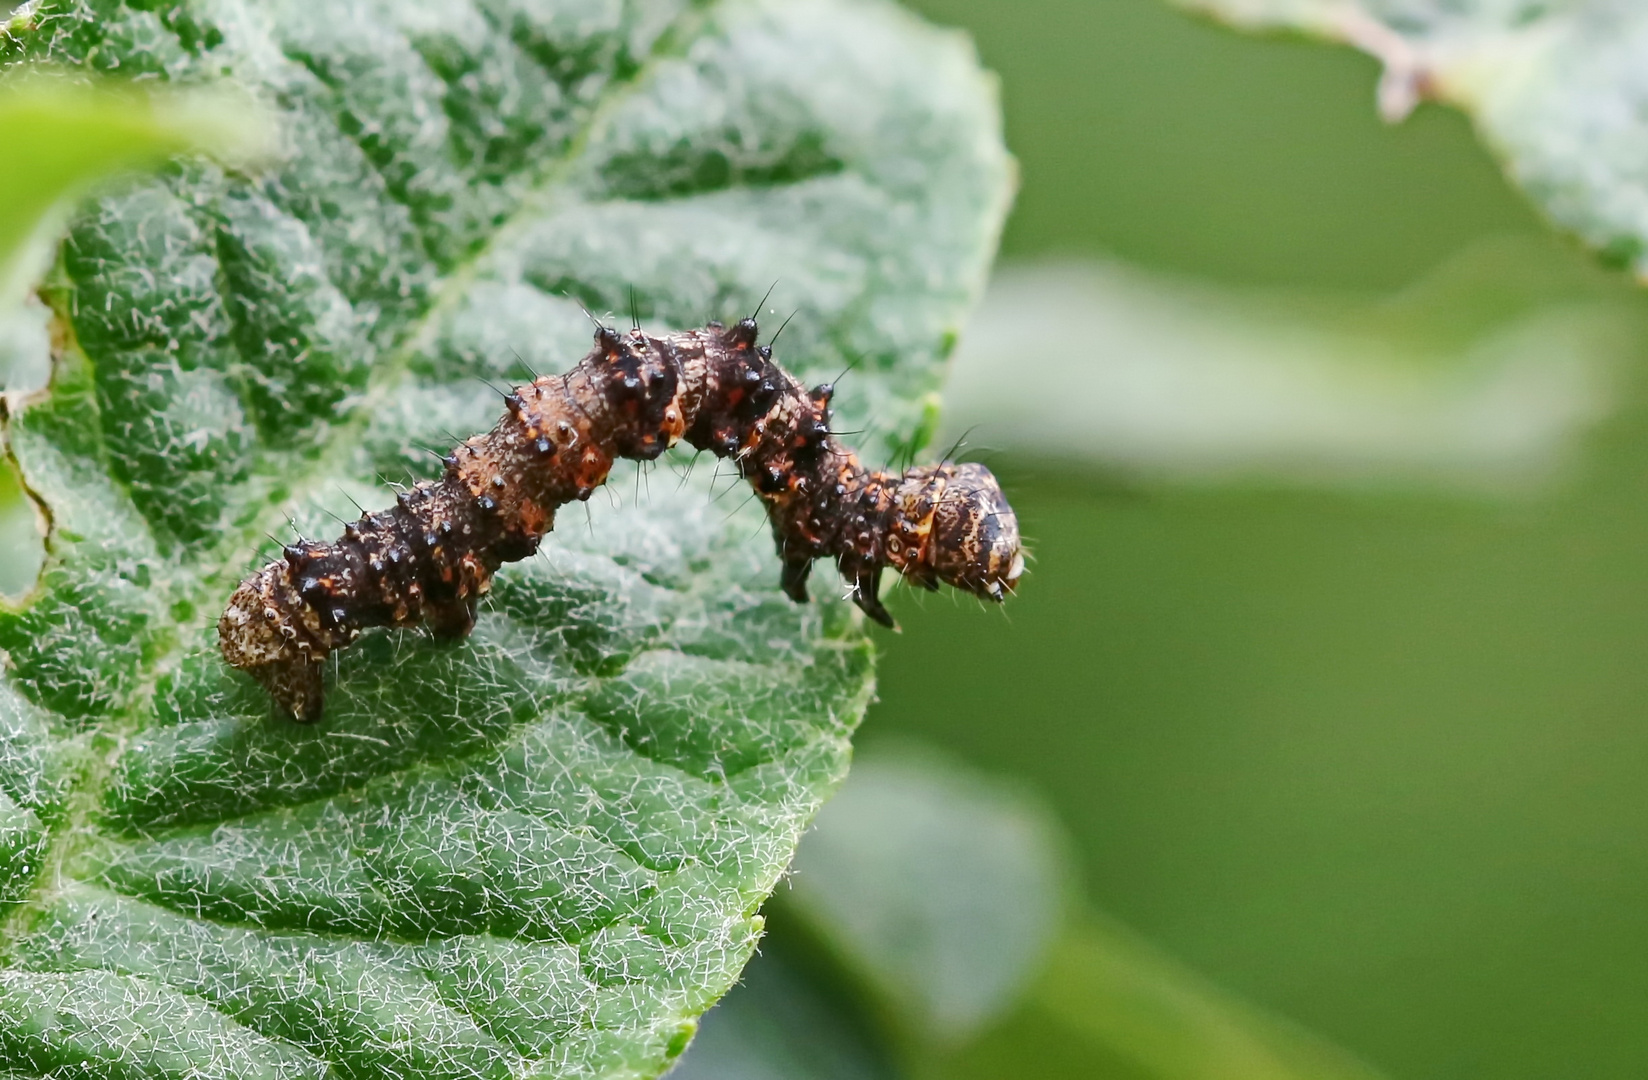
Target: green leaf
{"points": [[1115, 998], [1557, 90], [540, 851], [61, 136], [777, 1024], [1483, 376], [918, 908], [937, 888], [935, 897], [20, 538]]}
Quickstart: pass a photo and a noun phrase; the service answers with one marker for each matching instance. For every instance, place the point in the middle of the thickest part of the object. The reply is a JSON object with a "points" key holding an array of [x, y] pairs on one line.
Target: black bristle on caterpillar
{"points": [[430, 558]]}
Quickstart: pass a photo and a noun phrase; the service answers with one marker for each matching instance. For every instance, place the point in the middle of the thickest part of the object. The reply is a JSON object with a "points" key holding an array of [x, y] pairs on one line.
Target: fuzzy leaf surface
{"points": [[541, 851]]}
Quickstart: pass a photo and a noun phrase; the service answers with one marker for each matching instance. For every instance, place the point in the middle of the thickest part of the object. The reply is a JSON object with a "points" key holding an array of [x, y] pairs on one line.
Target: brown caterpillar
{"points": [[431, 557]]}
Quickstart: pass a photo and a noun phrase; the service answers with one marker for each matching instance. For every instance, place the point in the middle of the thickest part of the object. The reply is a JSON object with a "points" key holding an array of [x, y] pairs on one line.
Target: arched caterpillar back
{"points": [[431, 557]]}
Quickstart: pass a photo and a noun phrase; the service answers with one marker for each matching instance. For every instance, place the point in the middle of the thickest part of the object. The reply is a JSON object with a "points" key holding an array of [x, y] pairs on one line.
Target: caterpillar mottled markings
{"points": [[430, 558]]}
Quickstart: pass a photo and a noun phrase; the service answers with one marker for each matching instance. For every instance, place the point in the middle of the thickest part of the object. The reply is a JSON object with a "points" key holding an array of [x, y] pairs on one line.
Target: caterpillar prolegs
{"points": [[430, 558]]}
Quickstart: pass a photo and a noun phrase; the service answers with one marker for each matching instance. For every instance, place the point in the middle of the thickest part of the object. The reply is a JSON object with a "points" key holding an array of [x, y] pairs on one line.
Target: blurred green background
{"points": [[1374, 756]]}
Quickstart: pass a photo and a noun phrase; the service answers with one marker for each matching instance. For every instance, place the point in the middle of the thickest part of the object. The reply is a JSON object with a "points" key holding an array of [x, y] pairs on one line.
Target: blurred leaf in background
{"points": [[781, 1023], [1482, 376], [930, 929], [1335, 464], [940, 890], [1556, 89], [1164, 140], [60, 135]]}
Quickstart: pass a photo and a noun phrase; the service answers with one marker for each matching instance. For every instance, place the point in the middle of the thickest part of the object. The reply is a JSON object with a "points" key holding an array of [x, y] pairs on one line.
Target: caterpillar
{"points": [[430, 558]]}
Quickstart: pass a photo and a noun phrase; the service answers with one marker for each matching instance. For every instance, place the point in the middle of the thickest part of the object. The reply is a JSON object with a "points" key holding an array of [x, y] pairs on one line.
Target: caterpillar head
{"points": [[953, 524]]}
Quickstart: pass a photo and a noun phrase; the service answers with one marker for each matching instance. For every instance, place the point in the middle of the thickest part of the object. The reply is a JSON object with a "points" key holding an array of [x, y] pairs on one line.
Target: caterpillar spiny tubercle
{"points": [[430, 558]]}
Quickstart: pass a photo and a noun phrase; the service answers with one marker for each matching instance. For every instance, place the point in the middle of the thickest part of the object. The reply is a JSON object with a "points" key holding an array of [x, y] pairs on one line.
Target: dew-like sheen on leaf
{"points": [[540, 851]]}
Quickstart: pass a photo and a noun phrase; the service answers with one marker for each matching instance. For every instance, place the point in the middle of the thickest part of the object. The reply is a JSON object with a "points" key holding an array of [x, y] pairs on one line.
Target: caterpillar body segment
{"points": [[430, 558]]}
